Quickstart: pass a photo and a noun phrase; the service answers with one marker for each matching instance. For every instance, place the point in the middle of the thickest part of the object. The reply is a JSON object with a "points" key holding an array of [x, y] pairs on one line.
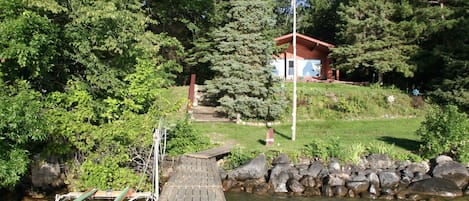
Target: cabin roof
{"points": [[303, 39]]}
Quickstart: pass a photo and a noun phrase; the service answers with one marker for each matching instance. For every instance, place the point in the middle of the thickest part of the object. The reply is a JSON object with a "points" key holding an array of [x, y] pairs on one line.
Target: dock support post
{"points": [[156, 141]]}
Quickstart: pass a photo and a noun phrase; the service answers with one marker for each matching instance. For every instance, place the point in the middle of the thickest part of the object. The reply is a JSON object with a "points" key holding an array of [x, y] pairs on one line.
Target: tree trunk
{"points": [[380, 78]]}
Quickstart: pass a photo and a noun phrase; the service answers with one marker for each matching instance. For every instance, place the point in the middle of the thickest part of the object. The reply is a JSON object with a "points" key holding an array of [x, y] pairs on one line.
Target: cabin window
{"points": [[291, 67]]}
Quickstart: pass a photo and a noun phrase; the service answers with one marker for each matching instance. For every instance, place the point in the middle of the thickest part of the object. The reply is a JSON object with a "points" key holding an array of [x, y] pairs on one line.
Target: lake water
{"points": [[241, 196]]}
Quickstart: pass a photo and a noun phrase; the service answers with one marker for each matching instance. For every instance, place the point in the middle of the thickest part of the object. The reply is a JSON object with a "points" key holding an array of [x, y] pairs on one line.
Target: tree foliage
{"points": [[243, 82], [22, 126], [29, 44], [376, 36], [443, 62], [99, 71], [320, 19]]}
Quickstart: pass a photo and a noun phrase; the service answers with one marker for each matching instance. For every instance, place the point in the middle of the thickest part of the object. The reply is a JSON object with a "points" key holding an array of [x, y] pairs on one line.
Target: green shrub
{"points": [[391, 151], [405, 155], [380, 148], [106, 174], [183, 138], [353, 153], [237, 158], [323, 149], [345, 106], [445, 130]]}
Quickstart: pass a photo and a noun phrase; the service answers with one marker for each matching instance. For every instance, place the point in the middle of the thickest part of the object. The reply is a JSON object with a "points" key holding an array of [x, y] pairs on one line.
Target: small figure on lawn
{"points": [[417, 100]]}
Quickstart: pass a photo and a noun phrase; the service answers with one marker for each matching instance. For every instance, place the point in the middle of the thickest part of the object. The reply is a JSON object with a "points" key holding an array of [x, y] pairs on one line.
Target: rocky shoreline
{"points": [[375, 177]]}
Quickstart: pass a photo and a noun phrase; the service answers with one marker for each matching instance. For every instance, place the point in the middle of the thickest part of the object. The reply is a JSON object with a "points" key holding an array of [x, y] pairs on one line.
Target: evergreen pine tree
{"points": [[320, 19], [376, 36], [445, 61], [243, 82]]}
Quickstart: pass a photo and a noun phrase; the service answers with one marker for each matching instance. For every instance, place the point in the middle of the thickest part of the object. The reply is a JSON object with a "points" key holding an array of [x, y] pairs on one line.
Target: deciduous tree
{"points": [[22, 126]]}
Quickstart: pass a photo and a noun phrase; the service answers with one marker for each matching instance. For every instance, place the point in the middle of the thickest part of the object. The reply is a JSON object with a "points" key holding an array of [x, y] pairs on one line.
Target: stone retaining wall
{"points": [[377, 176]]}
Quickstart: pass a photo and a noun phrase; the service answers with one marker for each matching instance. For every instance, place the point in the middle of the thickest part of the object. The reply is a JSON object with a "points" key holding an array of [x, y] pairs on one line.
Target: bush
{"points": [[183, 138], [353, 153], [106, 174], [380, 148], [323, 149], [445, 131], [237, 158], [390, 150]]}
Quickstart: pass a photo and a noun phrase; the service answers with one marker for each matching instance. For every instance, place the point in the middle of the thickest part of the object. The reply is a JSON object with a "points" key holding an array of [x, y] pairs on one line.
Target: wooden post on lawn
{"points": [[269, 137], [191, 93]]}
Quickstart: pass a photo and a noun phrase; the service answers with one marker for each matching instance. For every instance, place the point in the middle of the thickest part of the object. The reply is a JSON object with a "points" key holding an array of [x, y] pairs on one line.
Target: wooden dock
{"points": [[195, 179], [210, 153]]}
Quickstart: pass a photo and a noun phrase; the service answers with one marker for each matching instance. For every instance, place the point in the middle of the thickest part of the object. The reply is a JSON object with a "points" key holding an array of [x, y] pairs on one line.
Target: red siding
{"points": [[303, 52]]}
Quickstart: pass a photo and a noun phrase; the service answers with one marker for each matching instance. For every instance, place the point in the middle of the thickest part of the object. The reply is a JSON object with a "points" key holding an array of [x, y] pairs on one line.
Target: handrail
{"points": [[122, 195], [86, 195]]}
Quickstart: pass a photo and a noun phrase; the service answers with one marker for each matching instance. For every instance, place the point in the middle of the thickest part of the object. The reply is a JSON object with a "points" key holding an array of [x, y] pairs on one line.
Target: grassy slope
{"points": [[351, 102], [320, 117]]}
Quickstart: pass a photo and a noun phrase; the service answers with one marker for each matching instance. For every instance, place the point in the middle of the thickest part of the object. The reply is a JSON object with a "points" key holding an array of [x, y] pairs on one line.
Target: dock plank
{"points": [[194, 178], [210, 153]]}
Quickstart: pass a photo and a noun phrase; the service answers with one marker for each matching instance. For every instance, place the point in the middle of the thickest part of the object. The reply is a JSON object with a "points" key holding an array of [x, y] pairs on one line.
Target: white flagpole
{"points": [[293, 128]]}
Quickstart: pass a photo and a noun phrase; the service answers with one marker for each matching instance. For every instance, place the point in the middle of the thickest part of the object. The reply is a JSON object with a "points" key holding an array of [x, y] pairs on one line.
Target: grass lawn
{"points": [[357, 116], [397, 132]]}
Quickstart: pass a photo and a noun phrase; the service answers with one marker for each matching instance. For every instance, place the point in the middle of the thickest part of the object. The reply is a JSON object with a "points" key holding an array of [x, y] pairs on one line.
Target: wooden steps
{"points": [[207, 114]]}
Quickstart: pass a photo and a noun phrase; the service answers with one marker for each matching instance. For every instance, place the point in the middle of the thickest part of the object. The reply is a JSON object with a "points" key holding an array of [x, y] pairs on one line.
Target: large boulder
{"points": [[334, 166], [282, 159], [230, 184], [452, 171], [46, 173], [379, 161], [295, 186], [302, 169], [294, 173], [308, 181], [432, 187], [279, 182], [388, 179], [415, 168], [373, 179], [334, 180], [314, 169], [222, 172], [443, 159], [279, 176], [358, 184], [255, 169]]}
